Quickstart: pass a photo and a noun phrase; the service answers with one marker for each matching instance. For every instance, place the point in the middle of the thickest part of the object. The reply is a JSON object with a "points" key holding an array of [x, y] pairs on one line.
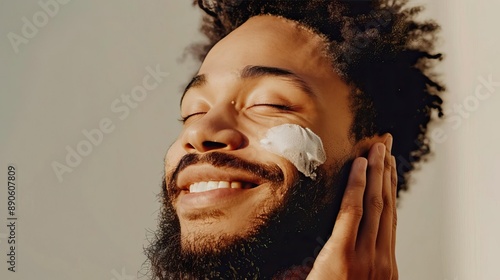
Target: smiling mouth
{"points": [[214, 185]]}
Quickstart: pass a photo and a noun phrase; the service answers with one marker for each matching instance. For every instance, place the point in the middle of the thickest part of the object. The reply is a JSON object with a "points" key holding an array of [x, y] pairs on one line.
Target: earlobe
{"points": [[362, 147]]}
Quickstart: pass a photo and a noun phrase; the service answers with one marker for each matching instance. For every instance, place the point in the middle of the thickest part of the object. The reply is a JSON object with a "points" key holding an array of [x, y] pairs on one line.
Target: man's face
{"points": [[268, 72]]}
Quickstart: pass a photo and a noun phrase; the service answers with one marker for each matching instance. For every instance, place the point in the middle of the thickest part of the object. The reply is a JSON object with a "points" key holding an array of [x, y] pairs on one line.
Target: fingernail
{"points": [[388, 143], [363, 164], [381, 149]]}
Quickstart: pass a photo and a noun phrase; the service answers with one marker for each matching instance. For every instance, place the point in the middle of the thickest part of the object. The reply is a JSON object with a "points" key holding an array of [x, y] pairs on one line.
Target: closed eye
{"points": [[185, 119], [277, 106]]}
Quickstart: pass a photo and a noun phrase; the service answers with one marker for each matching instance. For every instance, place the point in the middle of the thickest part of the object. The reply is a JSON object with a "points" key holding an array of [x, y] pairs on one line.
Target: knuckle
{"points": [[387, 199], [394, 216], [394, 180], [395, 221], [351, 210], [378, 167], [357, 180], [377, 204], [387, 166], [356, 184]]}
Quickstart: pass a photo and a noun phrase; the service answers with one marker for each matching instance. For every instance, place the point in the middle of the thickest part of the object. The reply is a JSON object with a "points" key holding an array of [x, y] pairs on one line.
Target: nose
{"points": [[216, 130]]}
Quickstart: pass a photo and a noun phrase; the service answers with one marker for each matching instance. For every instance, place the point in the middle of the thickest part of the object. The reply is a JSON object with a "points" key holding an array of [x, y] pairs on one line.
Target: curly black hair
{"points": [[376, 46]]}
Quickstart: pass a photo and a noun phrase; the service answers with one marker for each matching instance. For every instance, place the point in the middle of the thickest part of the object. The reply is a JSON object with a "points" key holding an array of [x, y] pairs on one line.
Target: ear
{"points": [[362, 147]]}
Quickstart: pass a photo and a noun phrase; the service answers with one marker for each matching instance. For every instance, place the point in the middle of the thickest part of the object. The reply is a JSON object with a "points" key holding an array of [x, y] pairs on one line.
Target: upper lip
{"points": [[205, 172]]}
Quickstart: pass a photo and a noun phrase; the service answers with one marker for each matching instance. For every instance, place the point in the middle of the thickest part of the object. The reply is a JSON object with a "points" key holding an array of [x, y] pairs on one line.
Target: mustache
{"points": [[269, 172]]}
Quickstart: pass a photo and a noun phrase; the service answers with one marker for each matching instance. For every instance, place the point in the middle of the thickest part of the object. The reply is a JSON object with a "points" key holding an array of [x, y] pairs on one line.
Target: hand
{"points": [[362, 244]]}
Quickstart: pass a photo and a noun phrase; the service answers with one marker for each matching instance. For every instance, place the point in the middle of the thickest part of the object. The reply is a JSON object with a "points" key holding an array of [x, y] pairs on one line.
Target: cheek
{"points": [[334, 132], [337, 146], [300, 146]]}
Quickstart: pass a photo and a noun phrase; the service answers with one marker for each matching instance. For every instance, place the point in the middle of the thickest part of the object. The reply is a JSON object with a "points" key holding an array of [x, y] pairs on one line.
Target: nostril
{"points": [[206, 139], [213, 145]]}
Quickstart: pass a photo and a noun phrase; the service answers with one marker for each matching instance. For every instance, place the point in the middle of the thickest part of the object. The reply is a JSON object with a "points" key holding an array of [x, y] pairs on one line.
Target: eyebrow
{"points": [[257, 71], [265, 71], [197, 81]]}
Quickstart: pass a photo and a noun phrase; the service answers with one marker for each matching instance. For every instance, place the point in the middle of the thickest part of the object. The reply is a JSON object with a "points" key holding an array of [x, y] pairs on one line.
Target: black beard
{"points": [[288, 237]]}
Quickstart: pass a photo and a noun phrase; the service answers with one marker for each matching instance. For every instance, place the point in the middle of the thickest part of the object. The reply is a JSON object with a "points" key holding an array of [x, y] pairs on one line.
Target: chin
{"points": [[264, 233], [231, 221]]}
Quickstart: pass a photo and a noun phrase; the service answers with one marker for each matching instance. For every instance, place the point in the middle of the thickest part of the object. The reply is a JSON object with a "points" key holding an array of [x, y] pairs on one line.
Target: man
{"points": [[283, 169]]}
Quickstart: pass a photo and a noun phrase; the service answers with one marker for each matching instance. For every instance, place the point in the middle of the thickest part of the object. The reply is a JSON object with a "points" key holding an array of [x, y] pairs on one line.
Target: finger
{"points": [[372, 201], [394, 180], [384, 238], [351, 210]]}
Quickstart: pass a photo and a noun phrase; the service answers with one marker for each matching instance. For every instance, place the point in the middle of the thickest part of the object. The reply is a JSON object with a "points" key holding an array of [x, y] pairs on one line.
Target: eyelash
{"points": [[277, 106], [184, 119]]}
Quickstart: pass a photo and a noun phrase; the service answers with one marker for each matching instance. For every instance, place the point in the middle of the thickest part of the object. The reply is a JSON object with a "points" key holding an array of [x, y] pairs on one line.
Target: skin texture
{"points": [[229, 111]]}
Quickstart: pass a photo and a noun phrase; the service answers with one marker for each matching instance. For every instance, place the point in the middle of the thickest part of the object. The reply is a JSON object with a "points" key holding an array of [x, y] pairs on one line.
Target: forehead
{"points": [[269, 41], [273, 43]]}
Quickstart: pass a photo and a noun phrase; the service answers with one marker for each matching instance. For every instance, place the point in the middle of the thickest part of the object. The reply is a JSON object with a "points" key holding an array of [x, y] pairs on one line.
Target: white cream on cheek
{"points": [[299, 145]]}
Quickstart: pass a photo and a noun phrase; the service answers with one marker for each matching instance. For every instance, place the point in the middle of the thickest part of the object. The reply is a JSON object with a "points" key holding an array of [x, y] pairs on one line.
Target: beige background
{"points": [[93, 224]]}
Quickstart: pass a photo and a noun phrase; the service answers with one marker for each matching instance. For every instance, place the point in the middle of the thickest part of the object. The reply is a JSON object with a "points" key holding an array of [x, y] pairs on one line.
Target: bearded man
{"points": [[284, 168]]}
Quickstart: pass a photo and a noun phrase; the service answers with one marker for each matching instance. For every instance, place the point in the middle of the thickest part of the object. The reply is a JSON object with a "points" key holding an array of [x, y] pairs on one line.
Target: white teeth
{"points": [[224, 185], [213, 185], [235, 185], [198, 187]]}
